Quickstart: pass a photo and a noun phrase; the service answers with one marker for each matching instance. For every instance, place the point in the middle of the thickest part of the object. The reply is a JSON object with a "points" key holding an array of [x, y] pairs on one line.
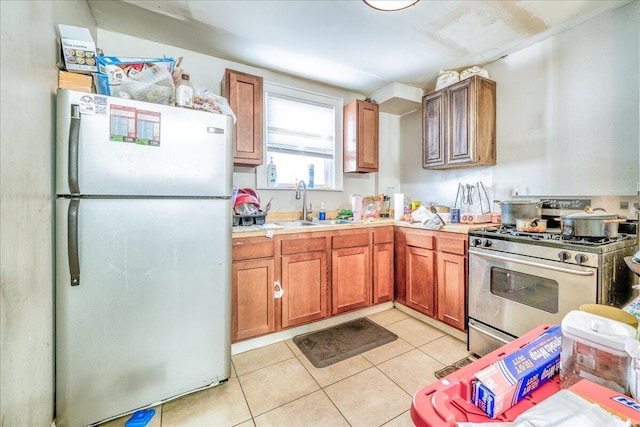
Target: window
{"points": [[303, 131]]}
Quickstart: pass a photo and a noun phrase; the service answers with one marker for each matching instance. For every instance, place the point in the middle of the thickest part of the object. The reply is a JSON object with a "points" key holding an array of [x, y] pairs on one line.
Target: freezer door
{"points": [[114, 146], [149, 316]]}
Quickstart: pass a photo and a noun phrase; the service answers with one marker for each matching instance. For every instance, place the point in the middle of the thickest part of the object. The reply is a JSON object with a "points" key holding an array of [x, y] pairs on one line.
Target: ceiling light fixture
{"points": [[390, 5]]}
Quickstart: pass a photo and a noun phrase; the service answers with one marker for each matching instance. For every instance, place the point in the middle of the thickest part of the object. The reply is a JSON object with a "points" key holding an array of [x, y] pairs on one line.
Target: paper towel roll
{"points": [[398, 206]]}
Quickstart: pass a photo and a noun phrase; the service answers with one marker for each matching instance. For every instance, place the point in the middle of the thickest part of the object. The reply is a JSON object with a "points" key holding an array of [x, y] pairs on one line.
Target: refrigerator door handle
{"points": [[74, 142], [213, 129], [72, 238]]}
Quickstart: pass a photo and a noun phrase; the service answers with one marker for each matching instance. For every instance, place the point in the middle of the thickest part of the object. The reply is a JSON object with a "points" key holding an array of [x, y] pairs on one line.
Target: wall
{"points": [[208, 71], [567, 119], [29, 81]]}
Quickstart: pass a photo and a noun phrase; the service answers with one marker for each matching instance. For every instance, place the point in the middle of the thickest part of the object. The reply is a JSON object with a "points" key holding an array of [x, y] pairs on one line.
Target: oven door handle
{"points": [[583, 273], [487, 333]]}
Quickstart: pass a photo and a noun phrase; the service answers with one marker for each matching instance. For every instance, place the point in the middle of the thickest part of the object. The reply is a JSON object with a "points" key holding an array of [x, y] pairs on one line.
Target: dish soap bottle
{"points": [[322, 213], [272, 173], [184, 92]]}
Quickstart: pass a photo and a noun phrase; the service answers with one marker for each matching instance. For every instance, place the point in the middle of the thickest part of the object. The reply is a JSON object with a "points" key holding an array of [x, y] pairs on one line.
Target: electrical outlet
{"points": [[624, 205]]}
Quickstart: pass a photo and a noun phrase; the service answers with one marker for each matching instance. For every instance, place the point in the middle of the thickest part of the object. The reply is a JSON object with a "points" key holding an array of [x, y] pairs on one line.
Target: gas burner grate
{"points": [[595, 241]]}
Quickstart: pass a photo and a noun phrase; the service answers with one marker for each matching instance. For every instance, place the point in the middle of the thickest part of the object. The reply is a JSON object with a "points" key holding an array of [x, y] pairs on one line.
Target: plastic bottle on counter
{"points": [[356, 207], [272, 173], [184, 92], [322, 213], [311, 175]]}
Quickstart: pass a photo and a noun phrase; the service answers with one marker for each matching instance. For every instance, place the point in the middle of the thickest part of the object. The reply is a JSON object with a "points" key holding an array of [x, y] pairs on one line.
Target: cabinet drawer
{"points": [[296, 246], [419, 240], [350, 240], [382, 235], [452, 246], [252, 248]]}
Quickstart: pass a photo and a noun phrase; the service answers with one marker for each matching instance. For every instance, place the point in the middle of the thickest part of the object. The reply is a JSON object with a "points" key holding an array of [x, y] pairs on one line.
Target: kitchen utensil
{"points": [[591, 223], [434, 210], [246, 199], [268, 207], [246, 208], [633, 264], [484, 198], [511, 210], [441, 209], [534, 225]]}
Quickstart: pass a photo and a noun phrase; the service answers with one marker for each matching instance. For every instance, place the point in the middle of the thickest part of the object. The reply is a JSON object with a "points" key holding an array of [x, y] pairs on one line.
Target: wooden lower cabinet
{"points": [[252, 296], [304, 273], [382, 265], [431, 273], [304, 281], [333, 272], [451, 289], [452, 280], [420, 279], [252, 288], [350, 272]]}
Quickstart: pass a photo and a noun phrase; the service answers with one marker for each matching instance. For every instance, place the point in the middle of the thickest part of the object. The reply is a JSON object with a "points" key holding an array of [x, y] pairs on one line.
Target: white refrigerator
{"points": [[143, 254]]}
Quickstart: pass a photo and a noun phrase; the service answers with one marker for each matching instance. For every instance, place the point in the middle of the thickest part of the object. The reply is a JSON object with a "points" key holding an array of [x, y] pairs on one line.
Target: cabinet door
{"points": [[252, 298], [368, 136], [383, 273], [452, 289], [399, 265], [434, 129], [304, 281], [350, 279], [360, 141], [245, 95], [420, 280], [460, 147]]}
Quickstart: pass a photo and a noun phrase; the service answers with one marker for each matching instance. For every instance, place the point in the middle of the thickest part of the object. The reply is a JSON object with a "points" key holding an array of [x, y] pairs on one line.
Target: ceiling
{"points": [[345, 43]]}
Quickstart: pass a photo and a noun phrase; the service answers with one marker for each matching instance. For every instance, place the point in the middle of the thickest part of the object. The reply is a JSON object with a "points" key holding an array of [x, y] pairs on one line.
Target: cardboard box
{"points": [[75, 81], [504, 383], [78, 49], [611, 401]]}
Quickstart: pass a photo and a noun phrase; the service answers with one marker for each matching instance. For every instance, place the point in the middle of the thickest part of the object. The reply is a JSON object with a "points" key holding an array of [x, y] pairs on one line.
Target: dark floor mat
{"points": [[331, 345], [452, 368]]}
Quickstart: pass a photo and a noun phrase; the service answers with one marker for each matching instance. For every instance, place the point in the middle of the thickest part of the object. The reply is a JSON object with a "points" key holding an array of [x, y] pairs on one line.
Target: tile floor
{"points": [[277, 386]]}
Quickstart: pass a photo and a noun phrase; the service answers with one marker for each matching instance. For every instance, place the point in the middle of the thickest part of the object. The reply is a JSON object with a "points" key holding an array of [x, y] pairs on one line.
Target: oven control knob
{"points": [[563, 256], [580, 258], [476, 242], [486, 243]]}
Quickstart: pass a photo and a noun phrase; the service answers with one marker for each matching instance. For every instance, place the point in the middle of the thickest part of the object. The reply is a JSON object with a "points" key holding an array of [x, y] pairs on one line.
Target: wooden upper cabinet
{"points": [[434, 107], [361, 122], [245, 95], [459, 125]]}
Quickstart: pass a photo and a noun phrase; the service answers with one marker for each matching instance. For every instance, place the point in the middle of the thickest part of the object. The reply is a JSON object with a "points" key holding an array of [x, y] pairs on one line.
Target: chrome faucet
{"points": [[302, 186]]}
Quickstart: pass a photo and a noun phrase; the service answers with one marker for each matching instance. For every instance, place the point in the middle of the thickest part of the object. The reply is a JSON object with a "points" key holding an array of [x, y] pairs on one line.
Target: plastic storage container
{"points": [[593, 348]]}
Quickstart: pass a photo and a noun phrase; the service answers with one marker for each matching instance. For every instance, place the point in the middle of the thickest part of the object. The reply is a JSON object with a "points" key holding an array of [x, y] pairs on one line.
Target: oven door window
{"points": [[533, 291]]}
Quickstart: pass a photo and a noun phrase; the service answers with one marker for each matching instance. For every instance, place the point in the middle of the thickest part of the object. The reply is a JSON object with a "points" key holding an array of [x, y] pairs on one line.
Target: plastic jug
{"points": [[356, 207]]}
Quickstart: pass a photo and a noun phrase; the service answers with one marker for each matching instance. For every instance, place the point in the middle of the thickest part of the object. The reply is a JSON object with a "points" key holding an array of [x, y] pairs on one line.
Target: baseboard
{"points": [[462, 336]]}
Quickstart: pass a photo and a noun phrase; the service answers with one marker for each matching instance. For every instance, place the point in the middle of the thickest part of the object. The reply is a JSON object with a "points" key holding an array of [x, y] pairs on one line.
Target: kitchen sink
{"points": [[335, 222], [295, 223], [315, 222]]}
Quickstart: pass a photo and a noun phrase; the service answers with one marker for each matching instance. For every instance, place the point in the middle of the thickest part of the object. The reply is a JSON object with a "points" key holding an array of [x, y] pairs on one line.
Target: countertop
{"points": [[270, 229]]}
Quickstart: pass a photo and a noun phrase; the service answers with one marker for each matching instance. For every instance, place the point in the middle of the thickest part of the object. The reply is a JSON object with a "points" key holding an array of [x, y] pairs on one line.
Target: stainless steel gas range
{"points": [[519, 280]]}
